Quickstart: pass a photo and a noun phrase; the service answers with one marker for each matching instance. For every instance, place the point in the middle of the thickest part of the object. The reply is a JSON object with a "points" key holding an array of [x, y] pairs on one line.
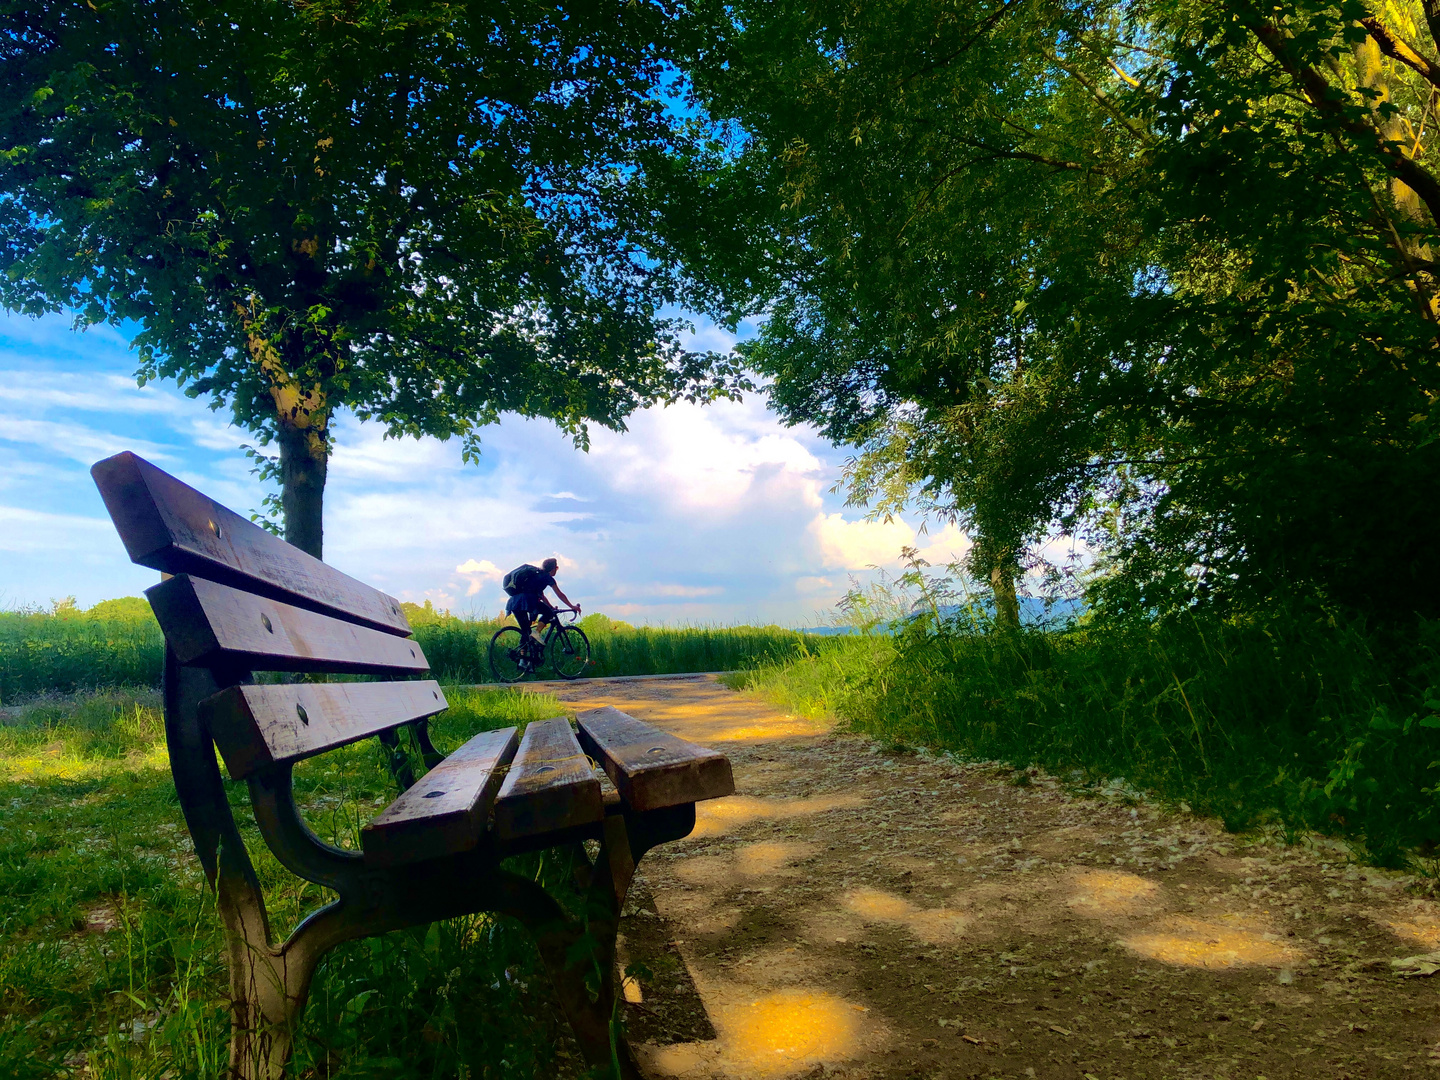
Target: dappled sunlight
{"points": [[1111, 892], [931, 925], [719, 816], [701, 710], [1220, 943], [751, 861], [60, 763], [769, 1036], [1418, 925]]}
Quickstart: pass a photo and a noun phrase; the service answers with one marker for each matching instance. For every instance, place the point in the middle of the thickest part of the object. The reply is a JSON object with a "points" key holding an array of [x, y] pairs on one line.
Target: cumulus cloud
{"points": [[858, 545], [714, 514]]}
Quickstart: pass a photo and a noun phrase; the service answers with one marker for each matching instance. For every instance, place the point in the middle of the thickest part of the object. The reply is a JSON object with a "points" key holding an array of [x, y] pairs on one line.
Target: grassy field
{"points": [[118, 643], [115, 643], [110, 949], [457, 648], [1295, 722]]}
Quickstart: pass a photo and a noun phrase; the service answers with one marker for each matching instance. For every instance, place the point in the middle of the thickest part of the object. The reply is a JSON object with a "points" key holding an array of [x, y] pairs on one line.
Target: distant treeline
{"points": [[118, 643]]}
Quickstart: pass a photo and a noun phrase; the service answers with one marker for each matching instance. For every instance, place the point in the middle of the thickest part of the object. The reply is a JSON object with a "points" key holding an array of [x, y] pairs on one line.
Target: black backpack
{"points": [[518, 580]]}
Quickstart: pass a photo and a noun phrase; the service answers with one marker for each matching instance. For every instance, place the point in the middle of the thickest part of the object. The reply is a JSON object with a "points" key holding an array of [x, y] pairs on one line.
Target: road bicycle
{"points": [[514, 655]]}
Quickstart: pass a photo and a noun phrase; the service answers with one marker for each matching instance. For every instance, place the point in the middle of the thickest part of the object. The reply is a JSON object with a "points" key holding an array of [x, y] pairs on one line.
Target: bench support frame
{"points": [[270, 982]]}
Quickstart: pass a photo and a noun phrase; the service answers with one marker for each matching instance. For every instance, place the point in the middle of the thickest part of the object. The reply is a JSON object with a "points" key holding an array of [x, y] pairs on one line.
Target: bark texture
{"points": [[302, 488]]}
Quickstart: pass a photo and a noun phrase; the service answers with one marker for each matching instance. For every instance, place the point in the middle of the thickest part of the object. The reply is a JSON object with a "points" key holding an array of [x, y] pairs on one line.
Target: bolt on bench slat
{"points": [[259, 726], [446, 811], [169, 526], [550, 785], [652, 769], [206, 624]]}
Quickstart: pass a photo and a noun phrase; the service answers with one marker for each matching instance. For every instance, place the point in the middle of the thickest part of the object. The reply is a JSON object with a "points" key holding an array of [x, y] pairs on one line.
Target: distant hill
{"points": [[1033, 612]]}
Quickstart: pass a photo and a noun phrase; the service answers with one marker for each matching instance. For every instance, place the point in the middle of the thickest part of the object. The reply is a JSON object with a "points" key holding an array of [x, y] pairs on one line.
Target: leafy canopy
{"points": [[1161, 273], [428, 213]]}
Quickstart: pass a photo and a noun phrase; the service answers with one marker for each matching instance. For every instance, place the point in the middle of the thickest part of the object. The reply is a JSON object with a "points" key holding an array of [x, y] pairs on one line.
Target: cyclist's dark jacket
{"points": [[532, 599]]}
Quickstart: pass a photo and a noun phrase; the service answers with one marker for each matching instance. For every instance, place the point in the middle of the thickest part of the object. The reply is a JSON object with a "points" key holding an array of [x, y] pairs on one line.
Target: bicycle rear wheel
{"points": [[569, 651], [508, 662]]}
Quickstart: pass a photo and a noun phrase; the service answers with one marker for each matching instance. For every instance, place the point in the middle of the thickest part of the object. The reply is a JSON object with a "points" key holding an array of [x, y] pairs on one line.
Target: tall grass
{"points": [[1294, 719], [459, 648], [117, 643], [111, 959]]}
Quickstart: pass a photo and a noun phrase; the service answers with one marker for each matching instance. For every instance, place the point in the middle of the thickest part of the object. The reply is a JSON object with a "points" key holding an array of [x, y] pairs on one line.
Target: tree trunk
{"points": [[302, 487], [1007, 606]]}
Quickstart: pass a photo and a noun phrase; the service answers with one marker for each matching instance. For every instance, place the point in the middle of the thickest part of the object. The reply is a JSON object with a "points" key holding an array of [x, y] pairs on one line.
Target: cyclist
{"points": [[526, 585]]}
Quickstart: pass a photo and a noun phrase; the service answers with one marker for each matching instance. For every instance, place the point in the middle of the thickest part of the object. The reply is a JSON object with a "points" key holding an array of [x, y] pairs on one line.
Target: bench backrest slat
{"points": [[209, 624], [169, 526], [650, 768], [258, 726], [550, 784], [446, 810]]}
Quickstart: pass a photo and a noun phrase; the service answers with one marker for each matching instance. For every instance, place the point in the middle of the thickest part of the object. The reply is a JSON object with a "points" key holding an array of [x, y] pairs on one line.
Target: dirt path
{"points": [[853, 913]]}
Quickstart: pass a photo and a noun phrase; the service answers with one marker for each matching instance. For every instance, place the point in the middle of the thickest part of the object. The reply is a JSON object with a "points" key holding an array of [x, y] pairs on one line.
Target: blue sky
{"points": [[717, 514]]}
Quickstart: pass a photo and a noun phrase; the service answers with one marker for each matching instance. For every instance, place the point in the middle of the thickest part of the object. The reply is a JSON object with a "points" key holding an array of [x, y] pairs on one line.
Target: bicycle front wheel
{"points": [[507, 655], [569, 652]]}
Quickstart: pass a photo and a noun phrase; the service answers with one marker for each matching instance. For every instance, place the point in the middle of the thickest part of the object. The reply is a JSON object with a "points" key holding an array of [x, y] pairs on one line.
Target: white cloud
{"points": [[708, 459], [29, 531], [858, 545], [705, 515], [947, 546], [478, 572]]}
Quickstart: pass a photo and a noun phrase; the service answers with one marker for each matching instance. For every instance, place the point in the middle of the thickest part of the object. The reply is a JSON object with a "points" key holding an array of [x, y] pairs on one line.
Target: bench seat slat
{"points": [[652, 769], [169, 526], [550, 784], [258, 726], [445, 811], [206, 623]]}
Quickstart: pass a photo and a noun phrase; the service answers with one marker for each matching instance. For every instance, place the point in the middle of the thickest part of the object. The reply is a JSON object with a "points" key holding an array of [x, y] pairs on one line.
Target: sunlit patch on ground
{"points": [[1111, 892], [772, 1035], [1204, 943], [705, 710], [931, 925], [719, 816], [763, 859], [58, 762], [1417, 925]]}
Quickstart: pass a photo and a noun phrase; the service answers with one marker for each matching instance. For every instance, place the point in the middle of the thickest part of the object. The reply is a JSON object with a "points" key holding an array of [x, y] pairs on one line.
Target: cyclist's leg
{"points": [[517, 606], [546, 611]]}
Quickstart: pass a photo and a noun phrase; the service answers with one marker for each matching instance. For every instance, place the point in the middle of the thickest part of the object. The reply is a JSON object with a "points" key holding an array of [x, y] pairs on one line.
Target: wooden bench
{"points": [[236, 600]]}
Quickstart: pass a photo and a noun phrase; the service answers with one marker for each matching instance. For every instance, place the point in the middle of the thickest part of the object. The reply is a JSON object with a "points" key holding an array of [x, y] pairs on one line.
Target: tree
{"points": [[1159, 273], [427, 213]]}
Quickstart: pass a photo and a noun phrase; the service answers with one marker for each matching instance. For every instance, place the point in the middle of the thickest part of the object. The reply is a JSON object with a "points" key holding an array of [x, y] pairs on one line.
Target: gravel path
{"points": [[855, 913]]}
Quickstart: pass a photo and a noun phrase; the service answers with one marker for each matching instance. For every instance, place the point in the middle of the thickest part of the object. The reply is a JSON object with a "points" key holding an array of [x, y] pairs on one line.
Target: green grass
{"points": [[110, 948], [458, 649], [1296, 721], [118, 643]]}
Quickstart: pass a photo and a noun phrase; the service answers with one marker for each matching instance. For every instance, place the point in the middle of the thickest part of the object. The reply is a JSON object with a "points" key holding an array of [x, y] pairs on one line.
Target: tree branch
{"points": [[1396, 49], [1325, 99]]}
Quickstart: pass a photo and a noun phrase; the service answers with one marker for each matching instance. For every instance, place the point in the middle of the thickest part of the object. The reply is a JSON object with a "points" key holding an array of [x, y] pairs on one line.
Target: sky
{"points": [[696, 515]]}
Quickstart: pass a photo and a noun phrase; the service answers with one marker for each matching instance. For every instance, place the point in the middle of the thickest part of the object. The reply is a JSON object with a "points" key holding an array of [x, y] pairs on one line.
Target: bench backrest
{"points": [[242, 600]]}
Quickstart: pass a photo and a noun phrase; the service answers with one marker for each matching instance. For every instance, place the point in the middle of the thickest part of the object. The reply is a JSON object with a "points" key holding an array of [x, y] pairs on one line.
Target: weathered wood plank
{"points": [[446, 811], [652, 769], [550, 785], [207, 623], [169, 526], [256, 726]]}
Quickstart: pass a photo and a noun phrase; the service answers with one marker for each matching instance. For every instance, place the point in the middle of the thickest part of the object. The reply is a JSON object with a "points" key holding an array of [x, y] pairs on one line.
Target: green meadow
{"points": [[117, 643], [111, 959]]}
